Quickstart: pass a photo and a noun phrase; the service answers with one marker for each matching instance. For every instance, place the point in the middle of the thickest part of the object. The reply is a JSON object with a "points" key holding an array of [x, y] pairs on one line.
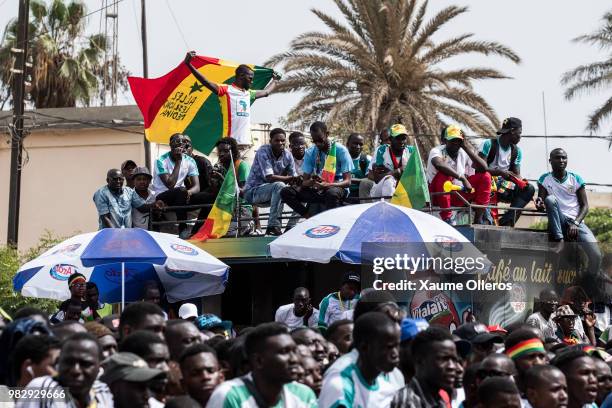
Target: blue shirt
{"points": [[119, 206], [266, 164], [344, 161]]}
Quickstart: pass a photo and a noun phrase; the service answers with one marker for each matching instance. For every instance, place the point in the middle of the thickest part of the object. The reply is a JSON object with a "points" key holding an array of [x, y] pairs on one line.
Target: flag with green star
{"points": [[178, 103]]}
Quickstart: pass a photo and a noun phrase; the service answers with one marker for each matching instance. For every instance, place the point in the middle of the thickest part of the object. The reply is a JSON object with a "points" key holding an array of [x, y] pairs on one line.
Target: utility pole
{"points": [[145, 71], [19, 75]]}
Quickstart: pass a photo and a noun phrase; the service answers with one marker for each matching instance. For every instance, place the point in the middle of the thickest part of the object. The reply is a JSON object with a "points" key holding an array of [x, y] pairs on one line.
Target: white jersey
{"points": [[236, 106], [564, 191], [235, 394], [349, 388], [332, 308], [165, 165], [462, 164], [285, 314]]}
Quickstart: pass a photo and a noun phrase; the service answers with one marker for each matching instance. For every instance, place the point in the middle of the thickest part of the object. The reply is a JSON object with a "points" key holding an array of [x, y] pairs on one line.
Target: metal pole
{"points": [[19, 72], [122, 286], [545, 132], [145, 70]]}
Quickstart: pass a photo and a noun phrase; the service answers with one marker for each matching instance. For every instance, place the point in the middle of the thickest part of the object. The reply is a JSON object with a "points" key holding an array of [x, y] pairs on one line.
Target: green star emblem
{"points": [[196, 88]]}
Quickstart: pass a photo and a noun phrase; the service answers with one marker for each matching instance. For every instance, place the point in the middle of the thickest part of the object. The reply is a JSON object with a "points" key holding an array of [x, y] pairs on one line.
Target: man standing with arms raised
{"points": [[239, 96]]}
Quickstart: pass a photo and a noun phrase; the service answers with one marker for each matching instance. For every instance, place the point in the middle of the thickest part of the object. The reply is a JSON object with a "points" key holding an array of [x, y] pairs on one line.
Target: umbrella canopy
{"points": [[184, 270], [340, 233]]}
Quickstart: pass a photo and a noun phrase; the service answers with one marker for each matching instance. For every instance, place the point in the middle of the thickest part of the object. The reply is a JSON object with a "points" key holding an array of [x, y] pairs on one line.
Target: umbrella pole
{"points": [[122, 286]]}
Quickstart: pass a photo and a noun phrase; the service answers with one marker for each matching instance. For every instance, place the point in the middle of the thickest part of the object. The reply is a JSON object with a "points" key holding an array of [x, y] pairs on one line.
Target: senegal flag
{"points": [[178, 103], [411, 190], [220, 216]]}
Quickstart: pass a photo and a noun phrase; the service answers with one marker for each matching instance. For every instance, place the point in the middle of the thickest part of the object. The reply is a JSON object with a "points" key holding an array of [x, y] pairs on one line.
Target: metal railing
{"points": [[287, 215]]}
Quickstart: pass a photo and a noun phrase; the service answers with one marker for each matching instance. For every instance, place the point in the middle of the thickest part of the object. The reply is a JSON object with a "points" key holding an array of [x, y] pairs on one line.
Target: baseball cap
{"points": [[509, 124], [142, 170], [476, 333], [127, 367], [352, 277], [188, 310], [464, 347], [453, 132], [209, 321], [411, 327], [127, 163], [397, 129]]}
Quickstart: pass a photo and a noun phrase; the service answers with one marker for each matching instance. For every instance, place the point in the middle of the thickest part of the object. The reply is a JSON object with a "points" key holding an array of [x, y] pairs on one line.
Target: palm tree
{"points": [[67, 66], [382, 65], [595, 76]]}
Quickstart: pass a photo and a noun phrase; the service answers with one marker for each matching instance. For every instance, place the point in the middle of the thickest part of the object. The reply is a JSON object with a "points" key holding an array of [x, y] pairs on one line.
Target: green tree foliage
{"points": [[10, 261], [68, 67], [599, 220], [595, 76], [381, 64]]}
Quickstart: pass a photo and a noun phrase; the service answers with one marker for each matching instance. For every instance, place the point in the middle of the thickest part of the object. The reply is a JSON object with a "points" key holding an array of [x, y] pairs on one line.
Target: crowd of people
{"points": [[327, 175], [359, 348]]}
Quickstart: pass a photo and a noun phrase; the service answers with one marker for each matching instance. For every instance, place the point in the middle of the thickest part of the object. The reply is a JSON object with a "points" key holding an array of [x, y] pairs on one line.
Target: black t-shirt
{"points": [[205, 170]]}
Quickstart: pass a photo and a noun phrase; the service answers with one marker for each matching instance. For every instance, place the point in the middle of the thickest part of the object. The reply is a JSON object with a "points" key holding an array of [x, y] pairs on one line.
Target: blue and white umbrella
{"points": [[119, 261], [339, 233]]}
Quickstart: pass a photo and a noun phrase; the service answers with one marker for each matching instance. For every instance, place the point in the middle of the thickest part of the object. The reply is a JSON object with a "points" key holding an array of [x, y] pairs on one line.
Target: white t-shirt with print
{"points": [[239, 102], [165, 165]]}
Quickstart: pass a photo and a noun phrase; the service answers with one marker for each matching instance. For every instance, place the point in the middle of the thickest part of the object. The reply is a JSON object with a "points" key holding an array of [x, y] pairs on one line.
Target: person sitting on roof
{"points": [[273, 169], [391, 159], [327, 174], [562, 195], [455, 165], [503, 157]]}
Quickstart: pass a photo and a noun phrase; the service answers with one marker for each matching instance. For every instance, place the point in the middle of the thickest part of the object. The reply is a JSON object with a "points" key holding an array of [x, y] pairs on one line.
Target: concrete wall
{"points": [[65, 168]]}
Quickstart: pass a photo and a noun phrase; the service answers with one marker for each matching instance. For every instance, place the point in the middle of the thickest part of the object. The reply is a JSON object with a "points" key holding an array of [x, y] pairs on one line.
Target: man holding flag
{"points": [[391, 159], [456, 166], [327, 174], [235, 98]]}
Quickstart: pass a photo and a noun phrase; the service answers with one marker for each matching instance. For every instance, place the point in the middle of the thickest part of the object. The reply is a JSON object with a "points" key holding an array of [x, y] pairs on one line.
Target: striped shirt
{"points": [[332, 309], [235, 394], [100, 395]]}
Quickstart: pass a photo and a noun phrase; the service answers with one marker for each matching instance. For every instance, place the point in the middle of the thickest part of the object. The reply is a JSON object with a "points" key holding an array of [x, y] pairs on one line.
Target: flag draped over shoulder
{"points": [[411, 190], [220, 216], [178, 103]]}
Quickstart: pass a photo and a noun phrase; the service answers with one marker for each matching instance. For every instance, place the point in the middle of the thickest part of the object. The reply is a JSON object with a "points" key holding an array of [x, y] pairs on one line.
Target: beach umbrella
{"points": [[341, 232], [120, 261]]}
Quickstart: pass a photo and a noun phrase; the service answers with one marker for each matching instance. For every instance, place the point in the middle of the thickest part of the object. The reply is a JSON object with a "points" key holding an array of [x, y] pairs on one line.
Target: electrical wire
{"points": [[178, 27]]}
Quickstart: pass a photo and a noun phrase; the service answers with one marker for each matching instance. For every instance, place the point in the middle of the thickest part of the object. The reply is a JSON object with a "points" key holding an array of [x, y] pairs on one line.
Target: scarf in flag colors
{"points": [[220, 216], [525, 347], [178, 103], [328, 174], [411, 190]]}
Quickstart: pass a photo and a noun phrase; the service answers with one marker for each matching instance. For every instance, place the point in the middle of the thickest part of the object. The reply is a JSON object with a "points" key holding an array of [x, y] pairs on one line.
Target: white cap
{"points": [[188, 310]]}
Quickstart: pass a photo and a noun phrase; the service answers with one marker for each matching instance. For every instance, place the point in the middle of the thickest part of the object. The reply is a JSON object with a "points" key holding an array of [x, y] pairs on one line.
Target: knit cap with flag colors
{"points": [[412, 190], [178, 103], [525, 347]]}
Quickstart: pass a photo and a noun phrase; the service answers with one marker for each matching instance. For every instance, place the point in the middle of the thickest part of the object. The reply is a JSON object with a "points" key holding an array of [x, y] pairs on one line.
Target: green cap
{"points": [[127, 367]]}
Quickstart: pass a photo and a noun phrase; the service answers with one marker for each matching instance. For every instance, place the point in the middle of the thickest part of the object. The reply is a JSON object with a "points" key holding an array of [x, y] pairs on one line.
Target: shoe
{"points": [[274, 231]]}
